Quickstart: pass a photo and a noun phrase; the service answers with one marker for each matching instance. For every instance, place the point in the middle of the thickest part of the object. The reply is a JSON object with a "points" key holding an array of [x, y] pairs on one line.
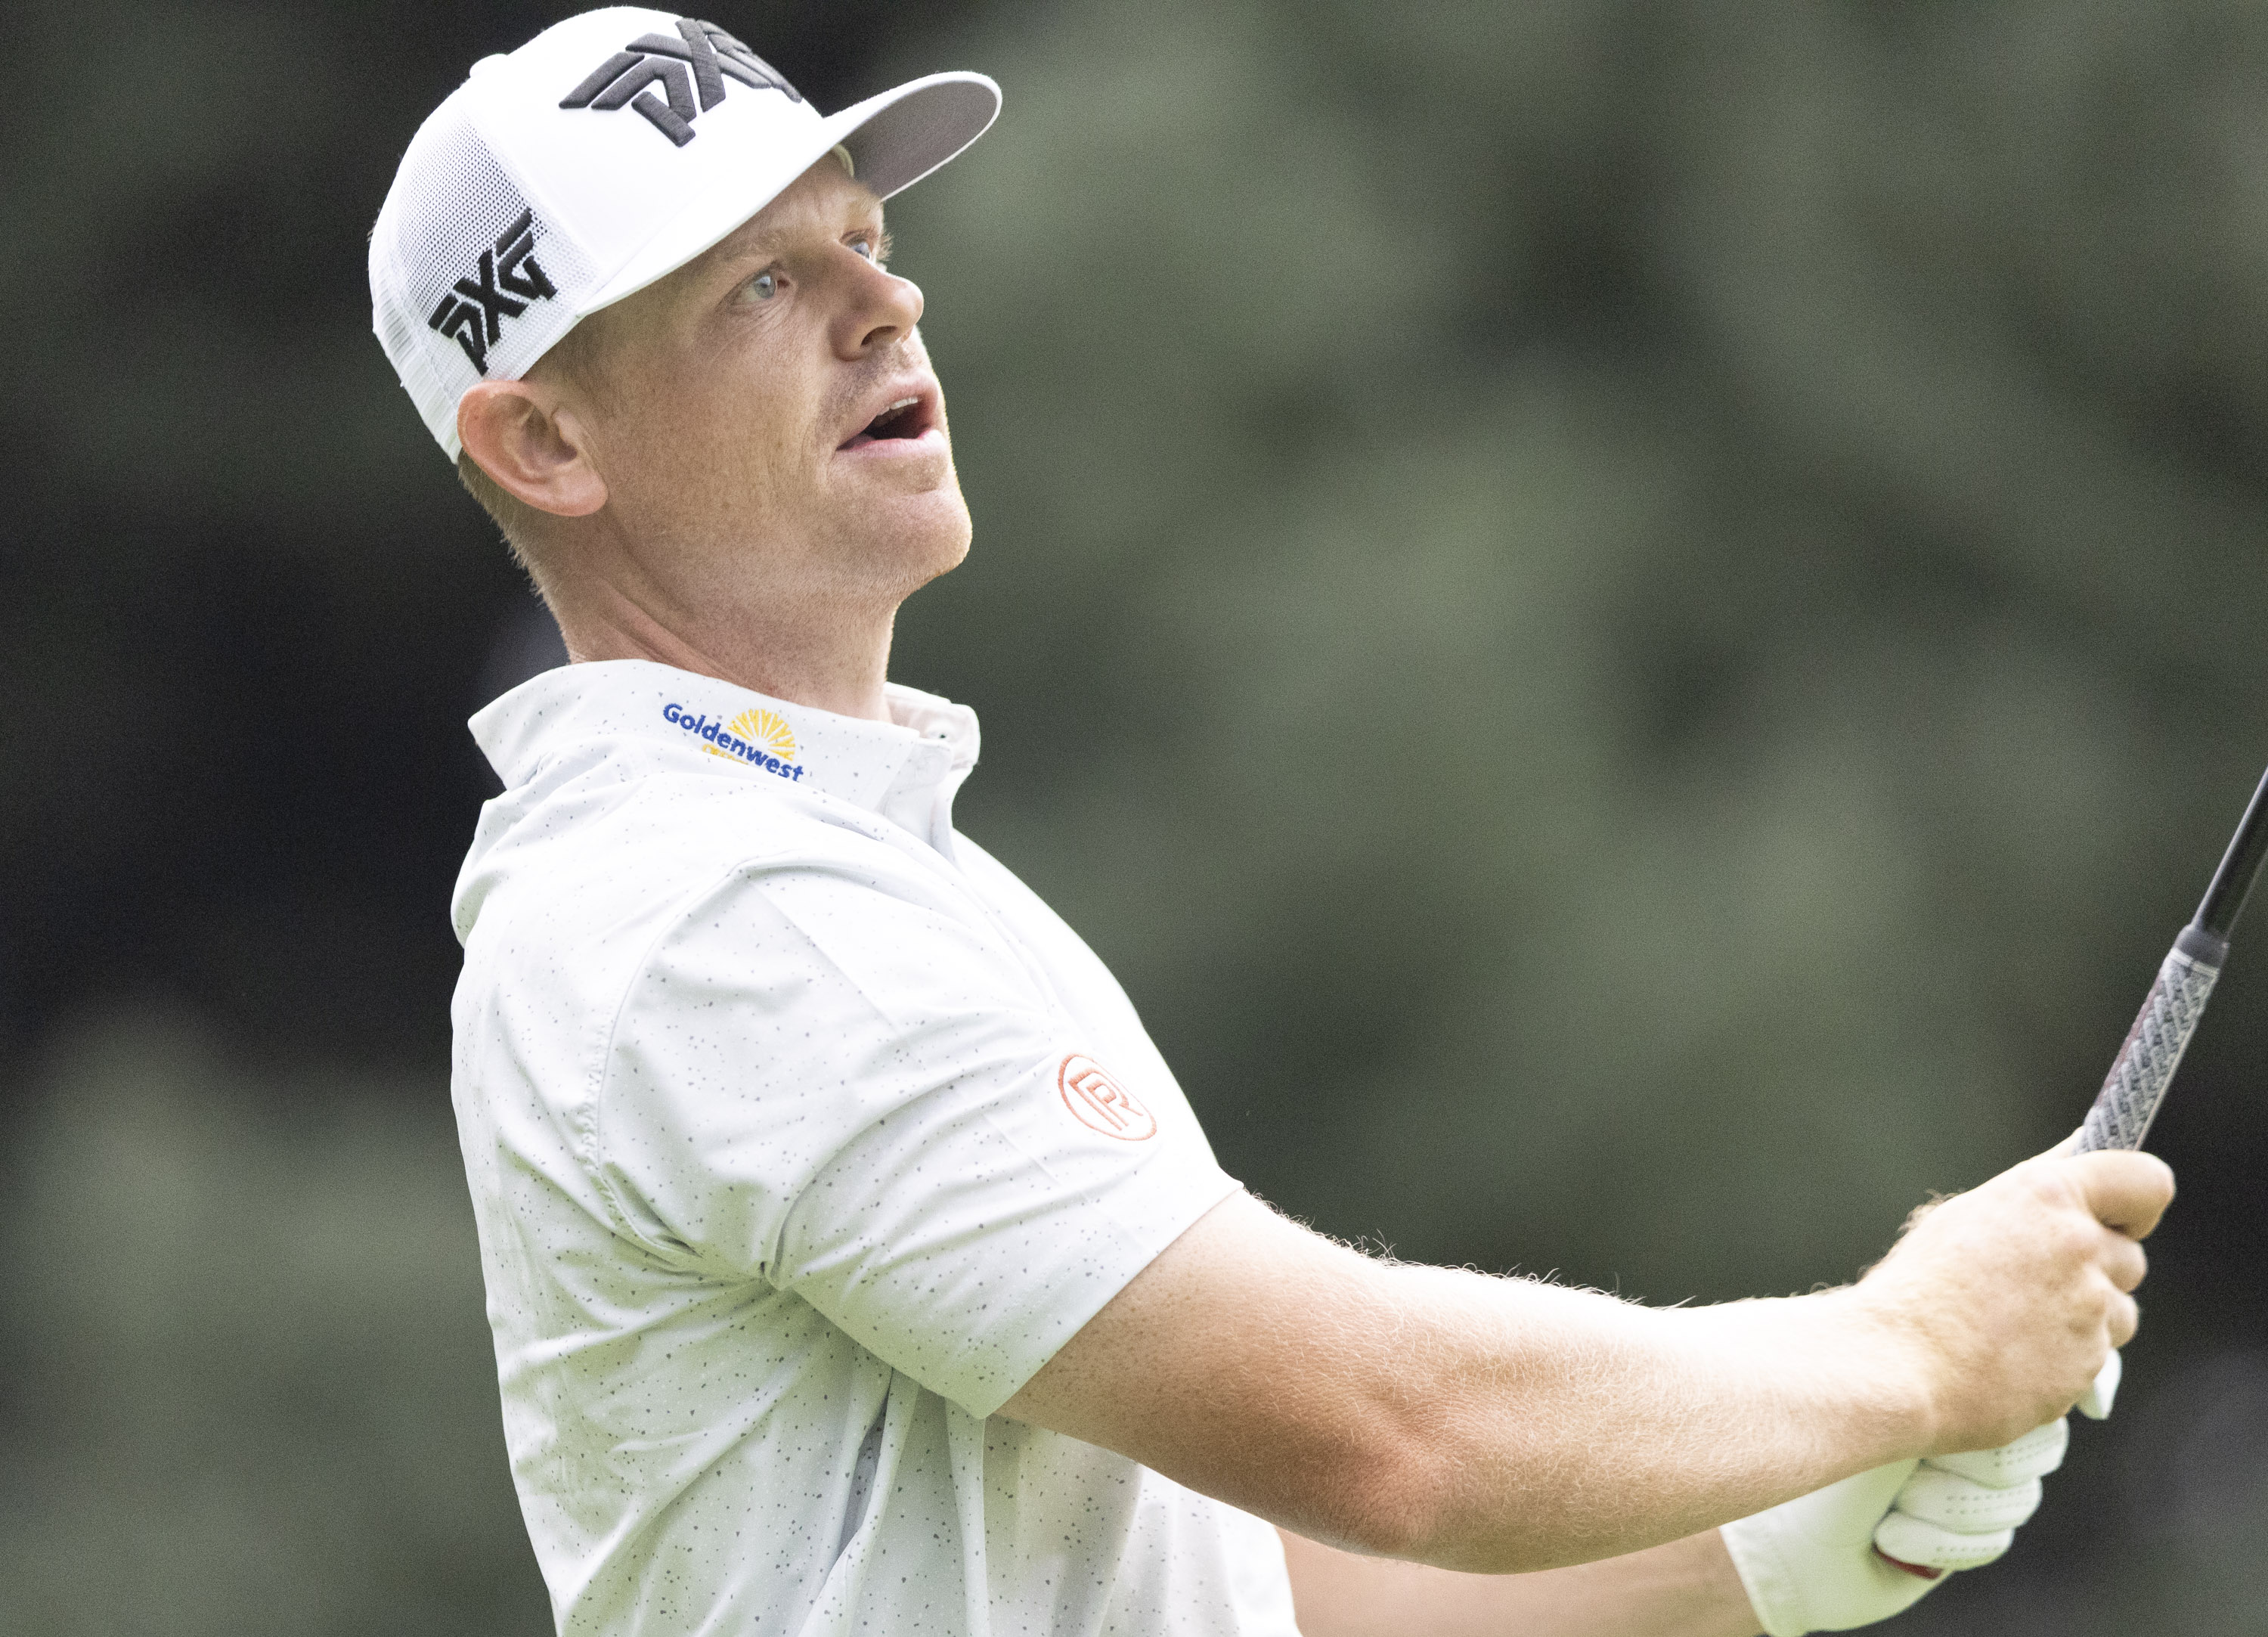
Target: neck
{"points": [[811, 651]]}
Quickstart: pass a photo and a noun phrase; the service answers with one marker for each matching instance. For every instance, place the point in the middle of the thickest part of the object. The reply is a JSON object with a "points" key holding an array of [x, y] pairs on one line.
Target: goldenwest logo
{"points": [[760, 738]]}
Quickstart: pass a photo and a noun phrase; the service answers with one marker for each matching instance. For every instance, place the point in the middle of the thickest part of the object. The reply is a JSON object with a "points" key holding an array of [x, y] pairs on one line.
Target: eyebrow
{"points": [[768, 241]]}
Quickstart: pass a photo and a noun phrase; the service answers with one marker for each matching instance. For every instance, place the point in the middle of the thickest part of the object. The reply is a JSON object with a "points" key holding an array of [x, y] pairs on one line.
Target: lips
{"points": [[901, 415]]}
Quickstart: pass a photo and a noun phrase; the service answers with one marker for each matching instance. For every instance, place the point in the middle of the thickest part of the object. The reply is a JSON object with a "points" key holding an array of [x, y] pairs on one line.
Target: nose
{"points": [[882, 311]]}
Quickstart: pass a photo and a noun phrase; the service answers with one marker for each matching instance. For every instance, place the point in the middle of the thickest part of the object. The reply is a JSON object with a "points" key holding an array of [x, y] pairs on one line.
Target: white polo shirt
{"points": [[801, 1134]]}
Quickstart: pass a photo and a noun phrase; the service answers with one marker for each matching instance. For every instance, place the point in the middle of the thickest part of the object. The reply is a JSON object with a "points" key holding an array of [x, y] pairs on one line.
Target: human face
{"points": [[765, 419]]}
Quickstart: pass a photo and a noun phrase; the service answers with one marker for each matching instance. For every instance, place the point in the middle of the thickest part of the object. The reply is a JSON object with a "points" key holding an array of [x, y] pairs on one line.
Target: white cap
{"points": [[603, 154]]}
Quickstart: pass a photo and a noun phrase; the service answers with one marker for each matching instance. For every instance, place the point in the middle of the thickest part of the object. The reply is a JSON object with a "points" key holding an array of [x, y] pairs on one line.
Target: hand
{"points": [[1961, 1511], [1870, 1546], [2011, 1297], [2095, 1406]]}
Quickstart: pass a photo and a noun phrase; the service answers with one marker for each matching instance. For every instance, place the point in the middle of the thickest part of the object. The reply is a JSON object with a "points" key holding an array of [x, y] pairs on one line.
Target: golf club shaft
{"points": [[2153, 1050]]}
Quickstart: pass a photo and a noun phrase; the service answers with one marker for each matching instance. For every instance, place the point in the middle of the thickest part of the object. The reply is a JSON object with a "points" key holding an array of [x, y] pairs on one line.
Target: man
{"points": [[854, 1261]]}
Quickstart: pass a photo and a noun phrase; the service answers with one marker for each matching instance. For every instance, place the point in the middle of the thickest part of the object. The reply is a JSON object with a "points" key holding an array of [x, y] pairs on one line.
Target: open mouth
{"points": [[901, 421]]}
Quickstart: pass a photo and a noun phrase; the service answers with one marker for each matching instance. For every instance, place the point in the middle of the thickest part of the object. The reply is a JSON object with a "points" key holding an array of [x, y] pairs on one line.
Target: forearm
{"points": [[1684, 1588], [1532, 1426], [1476, 1424]]}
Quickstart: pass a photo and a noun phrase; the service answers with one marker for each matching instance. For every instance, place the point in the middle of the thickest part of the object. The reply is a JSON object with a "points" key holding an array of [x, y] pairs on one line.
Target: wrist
{"points": [[1890, 1366], [1849, 1368]]}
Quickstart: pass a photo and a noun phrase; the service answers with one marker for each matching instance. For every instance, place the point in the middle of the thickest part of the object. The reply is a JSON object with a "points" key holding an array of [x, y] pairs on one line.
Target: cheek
{"points": [[698, 424], [718, 430], [653, 418], [752, 406]]}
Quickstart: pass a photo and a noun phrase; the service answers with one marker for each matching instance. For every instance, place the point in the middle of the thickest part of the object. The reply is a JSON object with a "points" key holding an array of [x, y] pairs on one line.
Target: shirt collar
{"points": [[907, 770]]}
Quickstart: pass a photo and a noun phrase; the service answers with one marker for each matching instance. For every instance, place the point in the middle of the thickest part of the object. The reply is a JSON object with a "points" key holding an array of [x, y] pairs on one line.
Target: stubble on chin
{"points": [[884, 548]]}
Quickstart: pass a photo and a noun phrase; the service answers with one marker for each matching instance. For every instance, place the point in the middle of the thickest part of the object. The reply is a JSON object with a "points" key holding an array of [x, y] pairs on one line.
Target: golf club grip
{"points": [[2145, 1066]]}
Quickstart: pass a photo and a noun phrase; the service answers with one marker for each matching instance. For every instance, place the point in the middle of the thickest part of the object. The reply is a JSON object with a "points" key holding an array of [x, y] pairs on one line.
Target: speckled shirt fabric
{"points": [[801, 1134]]}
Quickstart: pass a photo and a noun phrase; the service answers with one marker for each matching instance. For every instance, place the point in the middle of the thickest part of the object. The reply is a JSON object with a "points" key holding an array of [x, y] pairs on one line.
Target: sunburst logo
{"points": [[766, 730], [756, 737]]}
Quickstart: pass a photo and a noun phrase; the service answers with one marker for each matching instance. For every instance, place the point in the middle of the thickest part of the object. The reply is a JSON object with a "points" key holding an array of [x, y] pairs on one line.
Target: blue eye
{"points": [[764, 286], [860, 247]]}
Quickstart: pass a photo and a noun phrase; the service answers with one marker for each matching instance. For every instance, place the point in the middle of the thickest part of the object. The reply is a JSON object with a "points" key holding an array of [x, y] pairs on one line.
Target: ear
{"points": [[535, 451]]}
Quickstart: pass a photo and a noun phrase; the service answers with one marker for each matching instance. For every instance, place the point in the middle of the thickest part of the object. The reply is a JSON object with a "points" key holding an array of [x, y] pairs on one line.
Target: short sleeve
{"points": [[864, 1090]]}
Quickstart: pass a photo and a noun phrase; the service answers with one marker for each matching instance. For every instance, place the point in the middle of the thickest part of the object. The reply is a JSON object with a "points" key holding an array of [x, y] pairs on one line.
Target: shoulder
{"points": [[709, 886], [582, 846], [911, 941]]}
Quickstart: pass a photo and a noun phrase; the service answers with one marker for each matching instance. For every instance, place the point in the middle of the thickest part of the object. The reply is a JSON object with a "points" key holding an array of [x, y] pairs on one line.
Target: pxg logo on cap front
{"points": [[501, 284], [700, 60]]}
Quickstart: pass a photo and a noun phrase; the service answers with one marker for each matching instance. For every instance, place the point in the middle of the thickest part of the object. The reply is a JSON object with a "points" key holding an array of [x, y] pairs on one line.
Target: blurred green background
{"points": [[1631, 623]]}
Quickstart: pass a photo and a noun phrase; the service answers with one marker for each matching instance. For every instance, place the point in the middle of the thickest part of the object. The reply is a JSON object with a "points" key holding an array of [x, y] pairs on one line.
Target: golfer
{"points": [[854, 1263]]}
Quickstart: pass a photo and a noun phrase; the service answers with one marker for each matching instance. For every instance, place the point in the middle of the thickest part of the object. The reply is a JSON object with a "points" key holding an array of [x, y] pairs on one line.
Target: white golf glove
{"points": [[1870, 1546]]}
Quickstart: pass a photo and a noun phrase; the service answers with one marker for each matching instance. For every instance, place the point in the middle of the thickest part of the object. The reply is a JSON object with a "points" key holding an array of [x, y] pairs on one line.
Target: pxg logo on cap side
{"points": [[473, 313], [707, 50]]}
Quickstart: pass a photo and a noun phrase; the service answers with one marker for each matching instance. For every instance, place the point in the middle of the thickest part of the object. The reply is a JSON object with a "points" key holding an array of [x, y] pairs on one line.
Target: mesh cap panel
{"points": [[467, 281]]}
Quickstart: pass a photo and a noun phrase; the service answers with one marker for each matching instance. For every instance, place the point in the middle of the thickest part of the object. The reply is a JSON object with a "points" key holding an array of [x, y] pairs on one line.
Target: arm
{"points": [[1685, 1589], [1496, 1426]]}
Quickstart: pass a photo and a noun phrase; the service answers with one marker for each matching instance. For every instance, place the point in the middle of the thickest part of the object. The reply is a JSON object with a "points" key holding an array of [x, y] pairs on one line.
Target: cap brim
{"points": [[894, 140]]}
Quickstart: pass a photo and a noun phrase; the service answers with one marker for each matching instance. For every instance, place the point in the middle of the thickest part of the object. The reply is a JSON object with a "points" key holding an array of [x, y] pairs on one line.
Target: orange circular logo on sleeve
{"points": [[1100, 1102]]}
